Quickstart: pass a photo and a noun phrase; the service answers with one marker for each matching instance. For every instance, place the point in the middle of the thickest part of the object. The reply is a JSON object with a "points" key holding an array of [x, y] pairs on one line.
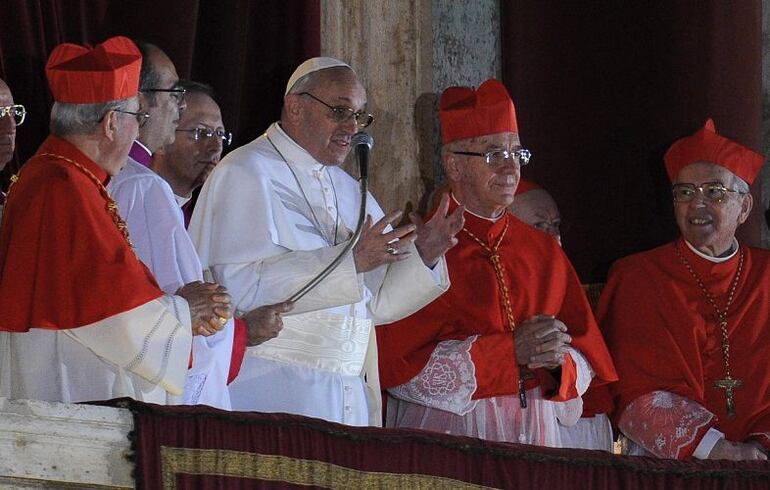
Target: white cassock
{"points": [[156, 226], [268, 219]]}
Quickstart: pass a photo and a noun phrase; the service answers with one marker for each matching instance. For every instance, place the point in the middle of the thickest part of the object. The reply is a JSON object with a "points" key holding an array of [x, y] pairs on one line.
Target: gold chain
{"points": [[497, 264], [728, 383], [112, 206]]}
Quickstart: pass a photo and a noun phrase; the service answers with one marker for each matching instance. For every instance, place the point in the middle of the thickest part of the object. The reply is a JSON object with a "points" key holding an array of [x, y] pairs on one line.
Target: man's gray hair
{"points": [[740, 185], [68, 119]]}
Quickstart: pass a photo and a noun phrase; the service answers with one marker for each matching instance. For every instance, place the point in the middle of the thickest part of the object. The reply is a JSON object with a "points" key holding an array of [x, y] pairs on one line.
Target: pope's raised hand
{"points": [[266, 322], [375, 247], [209, 306], [437, 235]]}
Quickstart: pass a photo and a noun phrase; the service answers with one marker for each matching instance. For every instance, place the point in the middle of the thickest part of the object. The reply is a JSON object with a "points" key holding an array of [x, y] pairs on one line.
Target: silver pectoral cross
{"points": [[729, 385]]}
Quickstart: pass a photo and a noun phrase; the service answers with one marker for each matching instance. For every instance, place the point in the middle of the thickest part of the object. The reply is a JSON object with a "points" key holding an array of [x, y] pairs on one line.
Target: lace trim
{"points": [[664, 423], [448, 380]]}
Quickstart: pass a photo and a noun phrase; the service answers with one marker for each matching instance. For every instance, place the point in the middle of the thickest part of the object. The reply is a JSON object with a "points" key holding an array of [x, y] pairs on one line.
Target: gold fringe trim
{"points": [[221, 462]]}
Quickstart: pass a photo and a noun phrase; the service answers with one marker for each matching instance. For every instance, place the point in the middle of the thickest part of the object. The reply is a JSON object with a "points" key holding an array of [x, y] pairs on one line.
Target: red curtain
{"points": [[203, 448], [603, 88], [246, 50]]}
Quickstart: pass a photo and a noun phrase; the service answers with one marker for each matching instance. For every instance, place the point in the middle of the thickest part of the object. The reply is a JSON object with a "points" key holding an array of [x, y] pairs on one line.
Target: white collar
{"points": [[291, 151], [716, 260], [143, 147], [493, 219], [181, 201]]}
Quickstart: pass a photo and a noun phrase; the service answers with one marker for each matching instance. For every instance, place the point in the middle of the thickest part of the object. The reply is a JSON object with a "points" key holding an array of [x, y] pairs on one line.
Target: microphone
{"points": [[362, 145]]}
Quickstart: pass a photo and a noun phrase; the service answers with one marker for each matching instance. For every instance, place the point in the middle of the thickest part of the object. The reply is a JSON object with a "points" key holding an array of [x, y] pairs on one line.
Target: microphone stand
{"points": [[363, 187]]}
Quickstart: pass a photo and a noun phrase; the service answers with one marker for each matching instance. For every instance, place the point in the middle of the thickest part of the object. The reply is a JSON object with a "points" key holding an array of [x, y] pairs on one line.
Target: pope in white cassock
{"points": [[274, 213]]}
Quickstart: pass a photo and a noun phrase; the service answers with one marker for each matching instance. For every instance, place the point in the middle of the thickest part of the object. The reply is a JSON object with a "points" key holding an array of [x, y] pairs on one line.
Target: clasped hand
{"points": [[541, 341], [209, 306]]}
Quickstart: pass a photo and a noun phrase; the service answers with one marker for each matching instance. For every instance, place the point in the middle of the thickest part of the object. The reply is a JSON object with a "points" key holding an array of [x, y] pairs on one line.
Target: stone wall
{"points": [[405, 52]]}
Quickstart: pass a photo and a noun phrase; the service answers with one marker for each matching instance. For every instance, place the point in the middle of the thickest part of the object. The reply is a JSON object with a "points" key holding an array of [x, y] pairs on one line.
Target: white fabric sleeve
{"points": [[447, 382], [148, 341], [664, 423], [707, 443], [402, 288], [585, 372], [156, 227]]}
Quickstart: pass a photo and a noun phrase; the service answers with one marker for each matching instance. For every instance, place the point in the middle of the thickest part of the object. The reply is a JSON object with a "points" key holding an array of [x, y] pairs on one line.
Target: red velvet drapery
{"points": [[203, 448], [603, 88], [246, 50]]}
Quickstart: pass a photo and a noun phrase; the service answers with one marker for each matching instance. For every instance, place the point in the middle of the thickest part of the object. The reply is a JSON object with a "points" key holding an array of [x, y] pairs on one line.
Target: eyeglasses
{"points": [[495, 158], [176, 92], [141, 116], [17, 112], [342, 114], [711, 191], [201, 133]]}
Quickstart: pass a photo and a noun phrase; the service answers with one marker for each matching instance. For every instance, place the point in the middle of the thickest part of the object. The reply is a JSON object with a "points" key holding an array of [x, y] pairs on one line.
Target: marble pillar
{"points": [[405, 52]]}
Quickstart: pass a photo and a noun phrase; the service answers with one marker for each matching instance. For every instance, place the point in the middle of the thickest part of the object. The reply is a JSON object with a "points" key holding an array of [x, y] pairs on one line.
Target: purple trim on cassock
{"points": [[140, 154]]}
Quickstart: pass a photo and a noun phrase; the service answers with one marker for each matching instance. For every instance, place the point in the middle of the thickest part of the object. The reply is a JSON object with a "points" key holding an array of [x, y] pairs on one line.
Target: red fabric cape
{"points": [[541, 281], [63, 261], [664, 335]]}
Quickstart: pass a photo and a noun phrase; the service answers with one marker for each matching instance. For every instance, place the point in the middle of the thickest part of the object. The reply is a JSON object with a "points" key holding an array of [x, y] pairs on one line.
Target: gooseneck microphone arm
{"points": [[362, 146]]}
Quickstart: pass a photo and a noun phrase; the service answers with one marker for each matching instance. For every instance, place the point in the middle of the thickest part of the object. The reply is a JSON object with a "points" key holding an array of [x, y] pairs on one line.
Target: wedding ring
{"points": [[222, 320], [391, 250]]}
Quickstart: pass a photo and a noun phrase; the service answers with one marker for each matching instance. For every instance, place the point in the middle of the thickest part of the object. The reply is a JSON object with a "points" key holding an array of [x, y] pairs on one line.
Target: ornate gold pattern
{"points": [[112, 206], [238, 464]]}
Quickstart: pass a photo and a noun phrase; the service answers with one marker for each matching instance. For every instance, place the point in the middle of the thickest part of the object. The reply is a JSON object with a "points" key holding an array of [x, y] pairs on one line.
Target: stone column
{"points": [[388, 43], [405, 52]]}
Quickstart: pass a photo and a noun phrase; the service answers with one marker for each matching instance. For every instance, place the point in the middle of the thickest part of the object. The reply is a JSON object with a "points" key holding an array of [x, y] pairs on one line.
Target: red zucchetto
{"points": [[81, 75], [708, 146], [467, 113]]}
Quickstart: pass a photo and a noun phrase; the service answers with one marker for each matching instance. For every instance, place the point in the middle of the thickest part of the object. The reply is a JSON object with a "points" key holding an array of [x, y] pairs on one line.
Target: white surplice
{"points": [[140, 353], [268, 219], [156, 226]]}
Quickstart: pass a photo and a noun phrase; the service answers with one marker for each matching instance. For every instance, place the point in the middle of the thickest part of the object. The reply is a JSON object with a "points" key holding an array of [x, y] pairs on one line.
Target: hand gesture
{"points": [[375, 248], [737, 451], [541, 341], [209, 306], [264, 323], [437, 236]]}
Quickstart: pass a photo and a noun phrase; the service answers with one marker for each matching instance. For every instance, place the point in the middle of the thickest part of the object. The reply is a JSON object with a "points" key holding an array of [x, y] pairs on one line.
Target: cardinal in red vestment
{"points": [[688, 322], [83, 318], [506, 353]]}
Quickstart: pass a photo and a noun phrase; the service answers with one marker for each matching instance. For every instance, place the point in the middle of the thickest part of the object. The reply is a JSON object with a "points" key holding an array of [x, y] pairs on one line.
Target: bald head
{"points": [[537, 208], [7, 127]]}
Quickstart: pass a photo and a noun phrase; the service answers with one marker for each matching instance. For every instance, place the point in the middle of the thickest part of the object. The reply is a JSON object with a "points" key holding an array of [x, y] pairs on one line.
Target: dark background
{"points": [[601, 88]]}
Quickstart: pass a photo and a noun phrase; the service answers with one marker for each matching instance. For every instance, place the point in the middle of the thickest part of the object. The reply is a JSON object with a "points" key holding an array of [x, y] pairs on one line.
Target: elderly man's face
{"points": [[326, 140], [537, 208], [710, 226], [163, 107], [7, 127], [193, 160], [126, 132], [482, 188]]}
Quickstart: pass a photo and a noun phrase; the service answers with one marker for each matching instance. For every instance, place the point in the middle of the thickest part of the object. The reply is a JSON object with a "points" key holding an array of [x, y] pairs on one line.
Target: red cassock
{"points": [[665, 336], [539, 279], [63, 261]]}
